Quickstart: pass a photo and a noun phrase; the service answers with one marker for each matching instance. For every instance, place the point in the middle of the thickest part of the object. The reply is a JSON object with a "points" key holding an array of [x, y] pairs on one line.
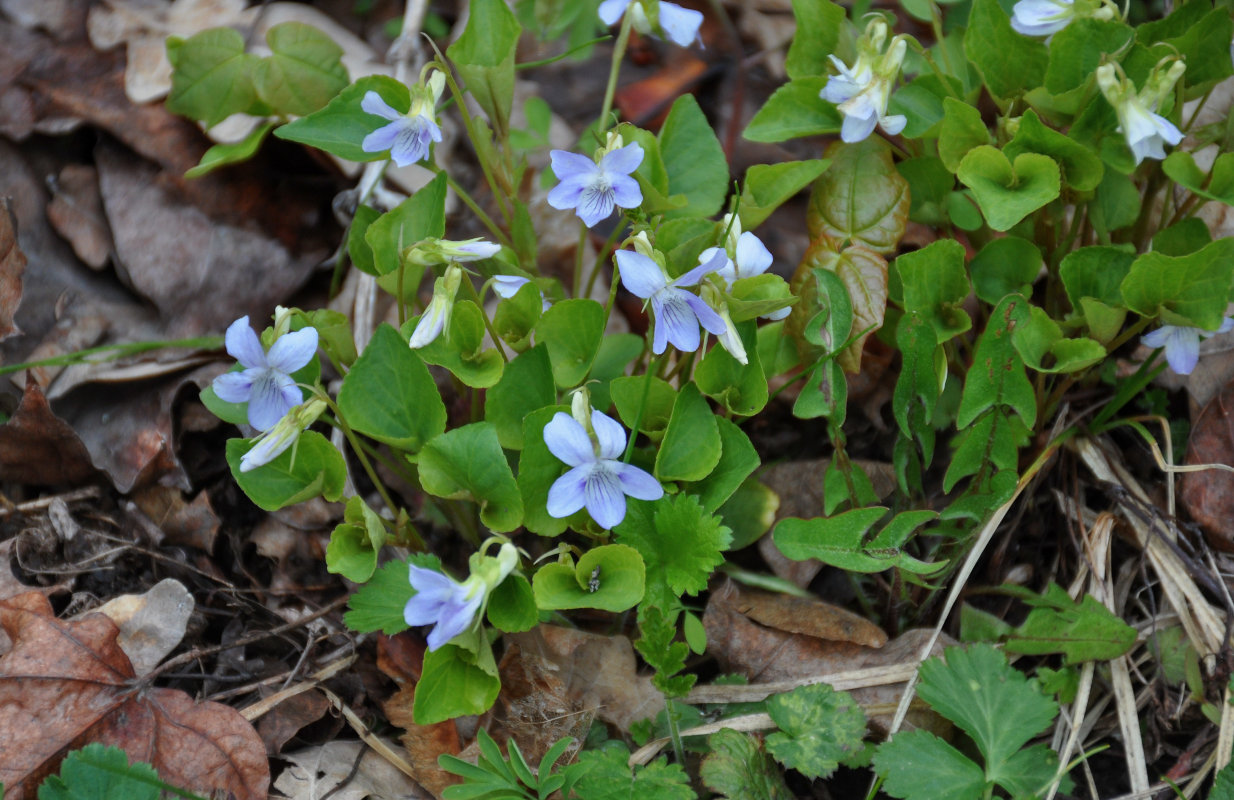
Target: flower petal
{"points": [[266, 403], [753, 257], [622, 161], [293, 350], [268, 448], [456, 616], [857, 129], [373, 103], [383, 138], [431, 585], [677, 321], [717, 262], [595, 203], [506, 286], [638, 483], [235, 387], [568, 165], [639, 274], [707, 316], [1183, 350], [893, 124], [412, 143], [1227, 325], [566, 194], [567, 440], [626, 192], [243, 344], [1158, 338], [680, 24], [567, 494], [611, 10], [610, 435], [604, 500]]}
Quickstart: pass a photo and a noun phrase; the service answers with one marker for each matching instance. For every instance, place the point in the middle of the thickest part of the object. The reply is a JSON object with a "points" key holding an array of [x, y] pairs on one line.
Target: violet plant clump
{"points": [[987, 231]]}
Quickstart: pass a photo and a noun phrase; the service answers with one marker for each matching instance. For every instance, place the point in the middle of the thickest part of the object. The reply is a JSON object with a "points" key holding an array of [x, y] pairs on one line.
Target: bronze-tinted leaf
{"points": [[1208, 495]]}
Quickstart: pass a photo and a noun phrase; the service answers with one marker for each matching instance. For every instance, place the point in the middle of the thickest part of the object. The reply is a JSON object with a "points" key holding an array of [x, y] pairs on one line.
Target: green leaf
{"points": [[1095, 272], [1182, 238], [484, 56], [212, 76], [1184, 290], [516, 317], [467, 464], [1081, 167], [378, 604], [691, 446], [935, 285], [537, 470], [1116, 203], [1009, 265], [656, 643], [1008, 62], [390, 396], [99, 772], [849, 290], [605, 775], [1040, 342], [694, 159], [792, 111], [997, 375], [819, 729], [341, 126], [917, 387], [303, 72], [819, 23], [221, 155], [917, 765], [609, 577], [462, 350], [921, 103], [356, 542], [526, 384], [992, 441], [978, 691], [1029, 772], [680, 544], [929, 184], [962, 130], [358, 250], [768, 186], [573, 330], [738, 459], [1200, 34], [309, 468], [455, 683], [1223, 786], [1008, 192], [749, 512], [1084, 631], [1076, 51], [740, 388], [1217, 185], [512, 606], [661, 396], [615, 353], [737, 768], [421, 216], [860, 198], [841, 542]]}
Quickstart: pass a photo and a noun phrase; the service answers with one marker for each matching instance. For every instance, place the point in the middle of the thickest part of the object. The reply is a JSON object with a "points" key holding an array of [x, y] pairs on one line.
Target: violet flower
{"points": [[745, 256], [594, 187], [274, 442], [449, 606], [266, 383], [679, 24], [678, 313], [1182, 343], [407, 136], [597, 480]]}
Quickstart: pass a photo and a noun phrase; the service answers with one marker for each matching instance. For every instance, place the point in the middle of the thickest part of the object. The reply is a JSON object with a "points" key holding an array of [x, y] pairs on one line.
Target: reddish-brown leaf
{"points": [[1209, 495], [66, 684], [38, 447], [12, 265]]}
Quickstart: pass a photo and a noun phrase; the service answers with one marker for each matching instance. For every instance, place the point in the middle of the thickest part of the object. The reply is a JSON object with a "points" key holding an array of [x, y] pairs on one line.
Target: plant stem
{"points": [[610, 89], [116, 351], [652, 367], [361, 456]]}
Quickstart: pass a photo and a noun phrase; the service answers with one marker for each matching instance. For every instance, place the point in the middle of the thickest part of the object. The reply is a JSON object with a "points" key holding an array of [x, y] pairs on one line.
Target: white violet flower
{"points": [[861, 92], [449, 606], [436, 318], [274, 442], [679, 24], [745, 256], [1146, 131], [266, 383]]}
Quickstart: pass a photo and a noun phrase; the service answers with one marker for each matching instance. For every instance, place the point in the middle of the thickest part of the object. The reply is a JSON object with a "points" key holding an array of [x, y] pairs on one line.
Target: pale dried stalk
{"points": [[368, 737], [840, 681], [263, 706]]}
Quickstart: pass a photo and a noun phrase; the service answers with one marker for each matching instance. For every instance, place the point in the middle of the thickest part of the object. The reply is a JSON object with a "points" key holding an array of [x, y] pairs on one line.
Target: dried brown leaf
{"points": [[809, 617], [344, 771], [423, 743], [76, 212], [12, 265], [67, 683], [37, 447], [1208, 495]]}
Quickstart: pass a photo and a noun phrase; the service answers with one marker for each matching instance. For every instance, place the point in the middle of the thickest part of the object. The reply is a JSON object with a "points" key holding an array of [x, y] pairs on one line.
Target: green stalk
{"points": [[116, 351], [610, 89]]}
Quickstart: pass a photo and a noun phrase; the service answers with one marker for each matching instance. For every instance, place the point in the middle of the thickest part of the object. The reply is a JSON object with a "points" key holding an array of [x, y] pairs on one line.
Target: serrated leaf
{"points": [[737, 768], [861, 198], [1083, 631], [605, 775], [97, 772], [819, 728], [680, 543], [917, 765]]}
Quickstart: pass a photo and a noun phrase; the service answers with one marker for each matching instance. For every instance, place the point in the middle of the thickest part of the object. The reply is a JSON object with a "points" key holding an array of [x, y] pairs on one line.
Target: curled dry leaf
{"points": [[37, 447], [151, 624], [809, 617], [12, 265], [1208, 495], [65, 684], [76, 212]]}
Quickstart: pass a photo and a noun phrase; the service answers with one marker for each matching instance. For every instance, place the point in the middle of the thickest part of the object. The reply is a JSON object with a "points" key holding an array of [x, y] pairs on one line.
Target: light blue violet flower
{"points": [[597, 479], [449, 606], [593, 187], [861, 92], [266, 383], [506, 286], [679, 24], [678, 313], [274, 442], [745, 256], [407, 136], [1182, 344]]}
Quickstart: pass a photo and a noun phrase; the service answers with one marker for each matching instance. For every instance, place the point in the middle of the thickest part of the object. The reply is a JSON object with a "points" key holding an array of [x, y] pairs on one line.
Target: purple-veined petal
{"points": [[639, 274], [609, 434], [267, 404], [659, 335], [611, 10], [432, 323], [568, 165], [623, 160], [892, 125], [456, 617], [626, 192], [604, 500], [567, 440], [243, 344], [1183, 350], [567, 494], [292, 395], [596, 202], [384, 137], [677, 320], [293, 350], [707, 316], [374, 104], [412, 143], [753, 257], [235, 387], [680, 24], [638, 483]]}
